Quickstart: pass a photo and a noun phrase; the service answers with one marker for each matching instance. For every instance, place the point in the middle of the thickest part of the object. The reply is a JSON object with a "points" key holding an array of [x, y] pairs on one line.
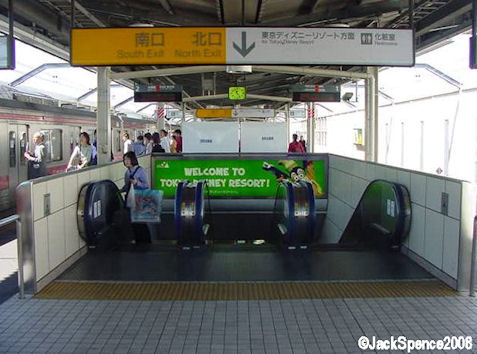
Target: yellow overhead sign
{"points": [[213, 113], [141, 46]]}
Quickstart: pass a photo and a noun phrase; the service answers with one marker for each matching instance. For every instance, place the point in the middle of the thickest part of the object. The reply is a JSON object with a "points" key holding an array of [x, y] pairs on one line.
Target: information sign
{"points": [[241, 45]]}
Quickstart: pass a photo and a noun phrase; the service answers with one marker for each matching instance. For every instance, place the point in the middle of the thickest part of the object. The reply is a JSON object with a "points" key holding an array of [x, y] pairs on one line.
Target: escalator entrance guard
{"points": [[97, 203], [297, 214], [189, 214], [382, 218]]}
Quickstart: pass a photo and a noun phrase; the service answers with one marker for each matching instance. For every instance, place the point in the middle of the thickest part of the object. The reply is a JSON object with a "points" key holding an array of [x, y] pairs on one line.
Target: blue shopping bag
{"points": [[147, 206]]}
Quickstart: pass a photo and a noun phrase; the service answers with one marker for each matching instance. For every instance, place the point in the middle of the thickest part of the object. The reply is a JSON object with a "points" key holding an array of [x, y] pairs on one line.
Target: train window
{"points": [[118, 140], [12, 136], [53, 144]]}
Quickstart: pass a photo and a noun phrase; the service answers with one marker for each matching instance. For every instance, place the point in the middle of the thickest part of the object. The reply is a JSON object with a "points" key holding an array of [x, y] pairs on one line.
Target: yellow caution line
{"points": [[241, 291]]}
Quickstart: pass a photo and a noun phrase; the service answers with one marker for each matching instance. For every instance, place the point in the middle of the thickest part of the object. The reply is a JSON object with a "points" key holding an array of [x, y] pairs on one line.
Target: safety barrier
{"points": [[4, 222], [440, 237], [47, 206]]}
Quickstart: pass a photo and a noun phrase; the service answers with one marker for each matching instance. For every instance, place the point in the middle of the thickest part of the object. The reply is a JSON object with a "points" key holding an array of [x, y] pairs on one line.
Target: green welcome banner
{"points": [[239, 178]]}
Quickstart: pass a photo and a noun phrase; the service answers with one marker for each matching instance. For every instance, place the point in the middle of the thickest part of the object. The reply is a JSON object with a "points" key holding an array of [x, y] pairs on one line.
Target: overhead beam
{"points": [[38, 70], [310, 71], [440, 17], [186, 70], [122, 103], [27, 35], [88, 14], [364, 10], [166, 6], [224, 95]]}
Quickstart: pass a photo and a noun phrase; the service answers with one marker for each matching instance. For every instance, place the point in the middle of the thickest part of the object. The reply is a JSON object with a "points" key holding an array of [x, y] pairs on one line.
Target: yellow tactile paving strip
{"points": [[241, 291]]}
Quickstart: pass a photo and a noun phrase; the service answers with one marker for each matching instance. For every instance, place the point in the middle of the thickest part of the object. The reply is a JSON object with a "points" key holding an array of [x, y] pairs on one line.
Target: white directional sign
{"points": [[241, 45], [347, 46], [253, 113]]}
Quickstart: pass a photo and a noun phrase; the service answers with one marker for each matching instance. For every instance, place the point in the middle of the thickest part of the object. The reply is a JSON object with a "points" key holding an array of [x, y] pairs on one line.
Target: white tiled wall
{"points": [[433, 235], [56, 235]]}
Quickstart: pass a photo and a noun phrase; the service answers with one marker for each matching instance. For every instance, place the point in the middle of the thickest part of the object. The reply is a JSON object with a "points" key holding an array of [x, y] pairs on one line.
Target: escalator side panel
{"points": [[382, 217]]}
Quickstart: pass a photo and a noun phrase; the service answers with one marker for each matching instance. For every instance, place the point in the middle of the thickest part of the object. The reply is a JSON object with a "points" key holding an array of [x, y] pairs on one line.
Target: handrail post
{"points": [[473, 261], [21, 280]]}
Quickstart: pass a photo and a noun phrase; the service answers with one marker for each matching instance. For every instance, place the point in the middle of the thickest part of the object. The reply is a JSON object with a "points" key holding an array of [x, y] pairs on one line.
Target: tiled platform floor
{"points": [[266, 326]]}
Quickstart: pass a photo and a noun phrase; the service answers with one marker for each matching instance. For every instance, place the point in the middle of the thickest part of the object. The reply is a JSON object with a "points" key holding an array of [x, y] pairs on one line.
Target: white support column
{"points": [[421, 149], [402, 144], [371, 112], [161, 114], [103, 116], [446, 147]]}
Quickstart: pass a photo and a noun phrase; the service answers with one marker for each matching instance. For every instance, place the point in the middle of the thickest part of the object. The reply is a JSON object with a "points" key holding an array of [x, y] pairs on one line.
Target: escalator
{"points": [[382, 218]]}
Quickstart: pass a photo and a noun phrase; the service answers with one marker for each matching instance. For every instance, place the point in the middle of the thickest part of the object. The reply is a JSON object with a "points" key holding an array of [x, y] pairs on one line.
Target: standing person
{"points": [[302, 142], [295, 146], [173, 144], [37, 158], [138, 146], [156, 143], [82, 153], [128, 144], [148, 142], [178, 135], [136, 176], [94, 150], [165, 142]]}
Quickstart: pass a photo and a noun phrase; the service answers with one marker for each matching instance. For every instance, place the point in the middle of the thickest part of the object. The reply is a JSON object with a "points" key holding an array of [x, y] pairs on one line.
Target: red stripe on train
{"points": [[4, 182], [56, 169]]}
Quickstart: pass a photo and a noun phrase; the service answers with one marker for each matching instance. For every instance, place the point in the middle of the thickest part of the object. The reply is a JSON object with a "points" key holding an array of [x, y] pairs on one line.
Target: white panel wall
{"points": [[214, 137], [56, 235], [433, 235], [263, 137]]}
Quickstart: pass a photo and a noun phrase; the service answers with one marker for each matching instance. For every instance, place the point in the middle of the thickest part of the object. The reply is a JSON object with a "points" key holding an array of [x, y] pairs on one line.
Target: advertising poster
{"points": [[240, 178], [148, 206]]}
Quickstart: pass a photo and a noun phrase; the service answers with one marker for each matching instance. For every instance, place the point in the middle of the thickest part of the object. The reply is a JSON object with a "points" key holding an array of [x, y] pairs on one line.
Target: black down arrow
{"points": [[244, 50]]}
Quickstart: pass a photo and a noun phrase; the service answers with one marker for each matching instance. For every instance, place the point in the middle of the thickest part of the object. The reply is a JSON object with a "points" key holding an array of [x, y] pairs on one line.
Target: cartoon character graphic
{"points": [[295, 171]]}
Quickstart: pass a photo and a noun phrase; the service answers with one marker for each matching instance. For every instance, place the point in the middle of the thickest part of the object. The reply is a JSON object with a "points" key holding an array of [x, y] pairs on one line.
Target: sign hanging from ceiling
{"points": [[316, 93], [157, 93], [241, 45]]}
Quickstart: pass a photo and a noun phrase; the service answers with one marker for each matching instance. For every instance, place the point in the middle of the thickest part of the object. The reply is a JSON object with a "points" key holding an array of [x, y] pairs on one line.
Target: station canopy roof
{"points": [[46, 25]]}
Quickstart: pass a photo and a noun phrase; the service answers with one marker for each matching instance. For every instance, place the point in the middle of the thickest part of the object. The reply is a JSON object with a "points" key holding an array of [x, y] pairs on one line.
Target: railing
{"points": [[474, 260], [6, 221]]}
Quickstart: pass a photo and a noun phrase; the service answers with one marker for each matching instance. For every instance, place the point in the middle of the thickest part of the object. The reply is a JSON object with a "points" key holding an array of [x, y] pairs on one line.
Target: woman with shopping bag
{"points": [[135, 178]]}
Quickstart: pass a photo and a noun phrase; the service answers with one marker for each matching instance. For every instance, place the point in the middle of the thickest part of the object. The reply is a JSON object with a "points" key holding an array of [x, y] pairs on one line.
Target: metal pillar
{"points": [[371, 116], [103, 117], [473, 39], [287, 119], [311, 137]]}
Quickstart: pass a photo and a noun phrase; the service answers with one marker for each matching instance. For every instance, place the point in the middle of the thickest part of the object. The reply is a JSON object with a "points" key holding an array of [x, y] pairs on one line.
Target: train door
{"points": [[17, 164]]}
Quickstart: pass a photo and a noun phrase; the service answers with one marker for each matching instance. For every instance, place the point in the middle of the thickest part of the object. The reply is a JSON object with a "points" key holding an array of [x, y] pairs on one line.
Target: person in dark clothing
{"points": [[37, 158], [178, 135], [156, 143], [302, 142], [295, 146]]}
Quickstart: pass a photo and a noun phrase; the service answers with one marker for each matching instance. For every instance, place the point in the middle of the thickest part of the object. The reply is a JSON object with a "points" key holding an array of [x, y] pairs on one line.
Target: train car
{"points": [[61, 128]]}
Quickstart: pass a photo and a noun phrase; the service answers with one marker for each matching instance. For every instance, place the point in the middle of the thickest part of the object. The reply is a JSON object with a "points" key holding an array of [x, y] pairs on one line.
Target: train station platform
{"points": [[229, 296], [315, 325]]}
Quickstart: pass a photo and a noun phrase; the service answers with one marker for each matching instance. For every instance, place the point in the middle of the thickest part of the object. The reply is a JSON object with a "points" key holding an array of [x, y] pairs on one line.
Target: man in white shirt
{"points": [[165, 142], [128, 144]]}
